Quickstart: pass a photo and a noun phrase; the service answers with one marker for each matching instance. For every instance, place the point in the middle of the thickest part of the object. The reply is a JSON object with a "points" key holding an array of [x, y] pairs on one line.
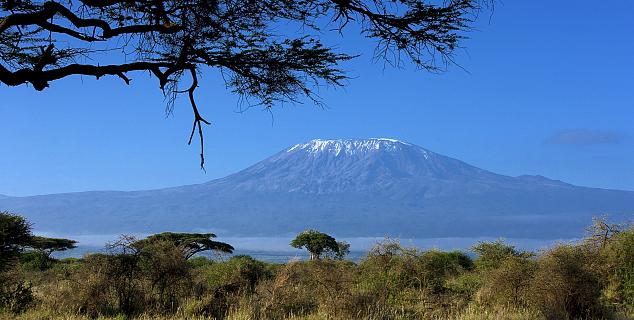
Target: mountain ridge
{"points": [[352, 187]]}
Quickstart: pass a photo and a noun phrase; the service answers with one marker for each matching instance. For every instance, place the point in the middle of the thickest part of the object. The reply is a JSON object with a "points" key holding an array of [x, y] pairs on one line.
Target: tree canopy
{"points": [[189, 243], [318, 243], [44, 41], [492, 254], [15, 234], [50, 245]]}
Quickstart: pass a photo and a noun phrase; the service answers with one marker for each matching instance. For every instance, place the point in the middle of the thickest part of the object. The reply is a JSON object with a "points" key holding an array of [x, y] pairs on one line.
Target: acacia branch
{"points": [[198, 119], [104, 3], [59, 29], [40, 78], [50, 9]]}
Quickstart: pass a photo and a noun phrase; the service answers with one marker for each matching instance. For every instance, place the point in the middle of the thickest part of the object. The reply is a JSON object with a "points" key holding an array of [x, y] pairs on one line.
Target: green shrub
{"points": [[16, 297], [239, 273], [389, 269], [564, 287], [287, 293], [36, 261], [163, 266], [466, 284], [618, 257], [492, 254], [434, 268], [508, 284]]}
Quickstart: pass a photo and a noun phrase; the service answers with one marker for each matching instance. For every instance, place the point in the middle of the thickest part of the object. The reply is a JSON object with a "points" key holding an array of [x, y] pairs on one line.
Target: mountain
{"points": [[367, 187], [390, 167]]}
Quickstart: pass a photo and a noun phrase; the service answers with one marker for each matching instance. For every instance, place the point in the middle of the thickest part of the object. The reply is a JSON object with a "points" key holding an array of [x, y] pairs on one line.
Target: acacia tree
{"points": [[15, 234], [41, 248], [49, 245], [44, 41], [318, 243], [189, 243]]}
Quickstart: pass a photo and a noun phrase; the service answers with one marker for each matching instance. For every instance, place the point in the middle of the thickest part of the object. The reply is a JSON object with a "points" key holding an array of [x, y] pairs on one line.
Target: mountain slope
{"points": [[368, 187]]}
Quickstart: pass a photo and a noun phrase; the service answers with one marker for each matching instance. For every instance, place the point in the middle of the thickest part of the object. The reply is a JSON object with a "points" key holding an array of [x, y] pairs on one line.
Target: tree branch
{"points": [[40, 79], [50, 9], [169, 38], [198, 119]]}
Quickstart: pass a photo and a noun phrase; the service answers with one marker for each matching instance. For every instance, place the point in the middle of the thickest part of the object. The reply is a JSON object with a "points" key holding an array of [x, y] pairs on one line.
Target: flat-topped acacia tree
{"points": [[173, 40], [189, 243], [49, 245], [40, 249]]}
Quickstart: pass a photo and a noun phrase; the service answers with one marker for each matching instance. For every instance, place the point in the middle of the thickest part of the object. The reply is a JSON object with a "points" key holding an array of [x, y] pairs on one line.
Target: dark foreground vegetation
{"points": [[160, 277]]}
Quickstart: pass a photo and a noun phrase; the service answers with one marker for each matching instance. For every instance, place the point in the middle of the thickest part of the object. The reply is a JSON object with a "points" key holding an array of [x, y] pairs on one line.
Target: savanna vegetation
{"points": [[164, 277]]}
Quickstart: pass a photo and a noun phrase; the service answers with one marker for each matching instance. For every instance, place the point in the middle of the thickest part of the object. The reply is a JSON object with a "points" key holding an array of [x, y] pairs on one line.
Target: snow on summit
{"points": [[348, 146]]}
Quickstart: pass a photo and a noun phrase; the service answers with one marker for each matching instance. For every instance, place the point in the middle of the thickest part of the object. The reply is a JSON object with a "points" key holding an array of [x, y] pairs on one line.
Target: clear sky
{"points": [[549, 90]]}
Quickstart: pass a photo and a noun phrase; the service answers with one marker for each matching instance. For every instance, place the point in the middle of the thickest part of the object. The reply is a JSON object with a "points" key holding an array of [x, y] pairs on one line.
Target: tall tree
{"points": [[15, 234], [44, 41], [317, 243]]}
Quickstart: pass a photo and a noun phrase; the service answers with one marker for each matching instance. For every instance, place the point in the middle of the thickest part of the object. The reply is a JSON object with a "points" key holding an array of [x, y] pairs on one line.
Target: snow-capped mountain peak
{"points": [[357, 165], [348, 146]]}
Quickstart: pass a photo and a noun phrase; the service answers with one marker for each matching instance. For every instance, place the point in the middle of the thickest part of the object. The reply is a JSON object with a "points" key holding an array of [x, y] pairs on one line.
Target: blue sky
{"points": [[548, 91]]}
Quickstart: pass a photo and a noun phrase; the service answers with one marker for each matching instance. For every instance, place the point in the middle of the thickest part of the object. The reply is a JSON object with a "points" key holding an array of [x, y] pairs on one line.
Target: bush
{"points": [[509, 283], [564, 287], [167, 273], [618, 258], [239, 273], [492, 254], [418, 284], [466, 284], [390, 268], [16, 295], [287, 293], [36, 261], [435, 267], [221, 285]]}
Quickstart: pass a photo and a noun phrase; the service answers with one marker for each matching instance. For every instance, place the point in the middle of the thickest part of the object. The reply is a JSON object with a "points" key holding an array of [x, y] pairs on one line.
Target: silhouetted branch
{"points": [[44, 41]]}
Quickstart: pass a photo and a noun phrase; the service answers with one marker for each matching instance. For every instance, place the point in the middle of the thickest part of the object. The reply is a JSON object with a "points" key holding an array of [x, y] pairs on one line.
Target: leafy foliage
{"points": [[509, 283], [619, 268], [189, 243], [240, 273], [15, 234], [16, 295], [492, 254], [50, 245], [565, 286], [318, 243], [396, 272]]}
